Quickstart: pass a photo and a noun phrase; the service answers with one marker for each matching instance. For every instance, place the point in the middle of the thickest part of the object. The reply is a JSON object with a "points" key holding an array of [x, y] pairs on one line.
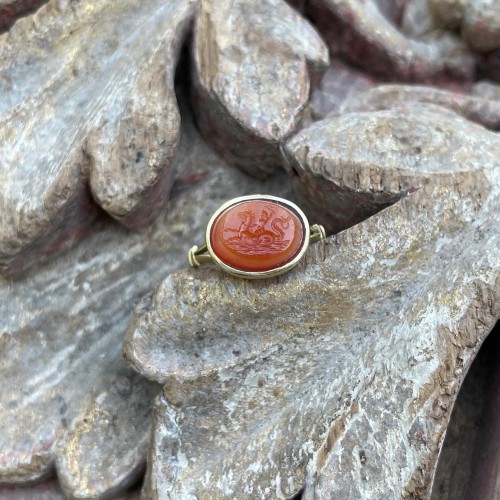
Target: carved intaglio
{"points": [[257, 234]]}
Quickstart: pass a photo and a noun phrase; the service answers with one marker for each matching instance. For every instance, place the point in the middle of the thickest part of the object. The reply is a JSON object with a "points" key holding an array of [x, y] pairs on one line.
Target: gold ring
{"points": [[257, 236]]}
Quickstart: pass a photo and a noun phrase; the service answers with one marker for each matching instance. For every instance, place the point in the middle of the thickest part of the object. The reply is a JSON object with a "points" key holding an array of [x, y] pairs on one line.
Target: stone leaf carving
{"points": [[253, 65], [86, 100], [478, 20], [481, 25], [361, 33], [68, 396], [449, 13], [482, 110], [102, 450], [64, 379], [339, 375], [353, 165], [486, 90]]}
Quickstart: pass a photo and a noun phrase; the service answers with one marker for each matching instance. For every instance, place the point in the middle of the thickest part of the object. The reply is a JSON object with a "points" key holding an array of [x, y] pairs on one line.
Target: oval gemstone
{"points": [[257, 235]]}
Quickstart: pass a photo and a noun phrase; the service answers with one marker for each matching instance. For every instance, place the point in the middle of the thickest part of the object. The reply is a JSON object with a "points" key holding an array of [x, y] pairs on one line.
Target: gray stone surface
{"points": [[68, 397], [484, 110], [102, 449], [360, 33], [481, 25], [339, 84], [86, 100], [487, 90], [450, 13], [339, 375], [477, 20], [351, 166], [253, 66], [417, 20]]}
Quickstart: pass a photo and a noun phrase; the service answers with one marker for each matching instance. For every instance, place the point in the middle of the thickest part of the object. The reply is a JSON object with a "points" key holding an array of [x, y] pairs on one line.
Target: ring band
{"points": [[257, 236]]}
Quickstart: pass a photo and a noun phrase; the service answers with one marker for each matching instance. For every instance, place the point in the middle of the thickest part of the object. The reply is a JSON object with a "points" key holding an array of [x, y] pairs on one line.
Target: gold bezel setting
{"points": [[198, 255]]}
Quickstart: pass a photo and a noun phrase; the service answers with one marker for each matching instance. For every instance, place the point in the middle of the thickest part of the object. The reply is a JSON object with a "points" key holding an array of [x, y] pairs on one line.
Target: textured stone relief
{"points": [[340, 375], [69, 399], [336, 379], [253, 66], [89, 103]]}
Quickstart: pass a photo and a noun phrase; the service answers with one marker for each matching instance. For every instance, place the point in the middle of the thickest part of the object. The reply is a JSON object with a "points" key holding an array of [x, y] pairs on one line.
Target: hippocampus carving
{"points": [[267, 230]]}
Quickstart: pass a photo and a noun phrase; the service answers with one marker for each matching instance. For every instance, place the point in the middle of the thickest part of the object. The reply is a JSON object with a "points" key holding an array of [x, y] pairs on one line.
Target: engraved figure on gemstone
{"points": [[266, 235]]}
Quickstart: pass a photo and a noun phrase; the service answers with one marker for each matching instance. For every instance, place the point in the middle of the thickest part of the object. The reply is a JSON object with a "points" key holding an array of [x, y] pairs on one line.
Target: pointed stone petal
{"points": [[131, 152], [104, 448], [102, 96], [253, 64], [353, 165]]}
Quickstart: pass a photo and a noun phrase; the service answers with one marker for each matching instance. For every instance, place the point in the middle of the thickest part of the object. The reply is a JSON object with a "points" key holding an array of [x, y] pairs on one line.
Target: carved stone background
{"points": [[124, 125]]}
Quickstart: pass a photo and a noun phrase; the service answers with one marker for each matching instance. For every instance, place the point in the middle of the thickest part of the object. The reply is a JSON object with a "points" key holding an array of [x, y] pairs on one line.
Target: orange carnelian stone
{"points": [[257, 235]]}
